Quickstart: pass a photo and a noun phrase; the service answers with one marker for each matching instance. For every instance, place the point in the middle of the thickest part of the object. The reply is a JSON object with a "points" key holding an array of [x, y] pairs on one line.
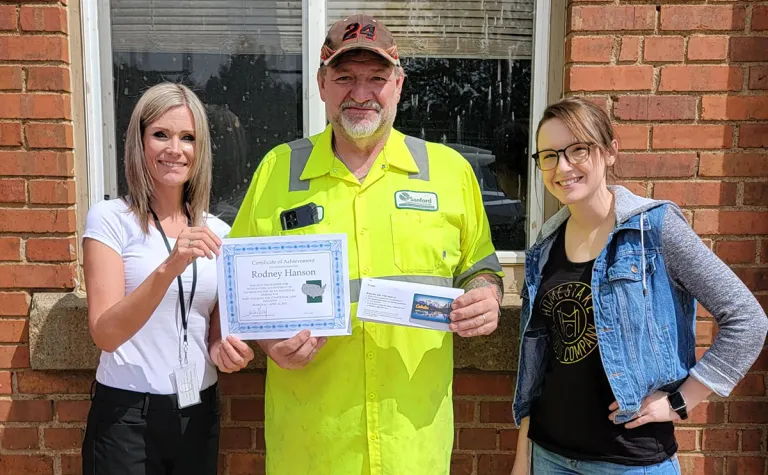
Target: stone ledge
{"points": [[59, 338], [58, 332]]}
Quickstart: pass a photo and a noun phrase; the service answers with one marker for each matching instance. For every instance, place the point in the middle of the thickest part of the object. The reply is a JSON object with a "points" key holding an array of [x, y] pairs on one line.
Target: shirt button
{"points": [[373, 437], [633, 269], [335, 170], [370, 355], [371, 396], [366, 270]]}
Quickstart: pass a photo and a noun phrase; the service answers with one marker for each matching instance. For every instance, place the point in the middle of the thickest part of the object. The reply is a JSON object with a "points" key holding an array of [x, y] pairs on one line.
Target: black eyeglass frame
{"points": [[564, 152]]}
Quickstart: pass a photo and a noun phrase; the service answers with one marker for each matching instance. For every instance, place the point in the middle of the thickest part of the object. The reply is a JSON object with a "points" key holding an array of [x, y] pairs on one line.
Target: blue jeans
{"points": [[548, 463]]}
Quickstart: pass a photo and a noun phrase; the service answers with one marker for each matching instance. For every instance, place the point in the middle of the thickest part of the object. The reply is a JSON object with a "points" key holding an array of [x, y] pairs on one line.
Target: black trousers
{"points": [[131, 433]]}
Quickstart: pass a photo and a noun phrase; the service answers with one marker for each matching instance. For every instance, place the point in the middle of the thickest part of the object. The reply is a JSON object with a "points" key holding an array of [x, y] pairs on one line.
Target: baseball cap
{"points": [[359, 32]]}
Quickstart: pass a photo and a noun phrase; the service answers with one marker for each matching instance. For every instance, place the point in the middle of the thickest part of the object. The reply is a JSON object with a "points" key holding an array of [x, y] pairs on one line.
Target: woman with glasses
{"points": [[607, 353]]}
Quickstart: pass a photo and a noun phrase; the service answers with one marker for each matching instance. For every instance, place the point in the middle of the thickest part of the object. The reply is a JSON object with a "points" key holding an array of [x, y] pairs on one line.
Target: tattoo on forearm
{"points": [[487, 280]]}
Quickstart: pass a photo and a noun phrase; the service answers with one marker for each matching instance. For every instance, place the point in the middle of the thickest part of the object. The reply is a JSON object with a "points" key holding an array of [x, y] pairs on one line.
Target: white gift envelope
{"points": [[406, 303]]}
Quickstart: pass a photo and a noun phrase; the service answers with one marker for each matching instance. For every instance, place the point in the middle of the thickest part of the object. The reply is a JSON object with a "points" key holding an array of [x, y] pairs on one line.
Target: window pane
{"points": [[448, 28], [468, 84], [241, 57]]}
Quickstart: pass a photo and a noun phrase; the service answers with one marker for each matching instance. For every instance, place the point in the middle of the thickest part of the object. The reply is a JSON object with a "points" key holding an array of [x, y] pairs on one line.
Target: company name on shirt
{"points": [[405, 199]]}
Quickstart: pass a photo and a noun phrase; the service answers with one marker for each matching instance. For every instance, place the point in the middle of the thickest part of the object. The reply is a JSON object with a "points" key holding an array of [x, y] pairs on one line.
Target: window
{"points": [[469, 69]]}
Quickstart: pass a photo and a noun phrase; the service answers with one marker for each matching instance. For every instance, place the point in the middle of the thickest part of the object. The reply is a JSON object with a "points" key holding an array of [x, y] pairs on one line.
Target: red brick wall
{"points": [[37, 226], [686, 85]]}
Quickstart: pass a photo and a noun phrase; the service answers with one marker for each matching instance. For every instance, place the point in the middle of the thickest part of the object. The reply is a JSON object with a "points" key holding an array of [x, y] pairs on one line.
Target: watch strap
{"points": [[677, 403]]}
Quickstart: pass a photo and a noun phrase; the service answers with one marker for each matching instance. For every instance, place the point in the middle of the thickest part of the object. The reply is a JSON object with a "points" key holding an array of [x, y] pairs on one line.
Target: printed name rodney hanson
{"points": [[268, 274]]}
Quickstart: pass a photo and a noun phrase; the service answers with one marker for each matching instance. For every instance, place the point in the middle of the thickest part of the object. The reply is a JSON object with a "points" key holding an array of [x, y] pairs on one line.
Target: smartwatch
{"points": [[677, 403]]}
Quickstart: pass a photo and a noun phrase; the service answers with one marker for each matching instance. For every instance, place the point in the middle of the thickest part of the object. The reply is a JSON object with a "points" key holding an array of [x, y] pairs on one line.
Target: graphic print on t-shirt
{"points": [[573, 336]]}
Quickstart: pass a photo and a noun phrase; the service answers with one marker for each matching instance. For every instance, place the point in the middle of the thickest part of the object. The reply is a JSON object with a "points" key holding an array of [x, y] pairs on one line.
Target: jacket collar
{"points": [[626, 206], [322, 159]]}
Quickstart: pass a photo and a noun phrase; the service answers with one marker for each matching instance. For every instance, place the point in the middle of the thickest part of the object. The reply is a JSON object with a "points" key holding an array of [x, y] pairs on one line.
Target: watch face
{"points": [[676, 400]]}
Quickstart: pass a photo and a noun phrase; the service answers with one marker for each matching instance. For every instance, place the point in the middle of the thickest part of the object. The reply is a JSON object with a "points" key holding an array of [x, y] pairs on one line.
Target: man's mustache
{"points": [[374, 105]]}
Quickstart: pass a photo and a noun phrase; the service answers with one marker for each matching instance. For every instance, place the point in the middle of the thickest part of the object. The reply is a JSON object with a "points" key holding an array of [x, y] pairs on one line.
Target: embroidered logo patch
{"points": [[425, 201]]}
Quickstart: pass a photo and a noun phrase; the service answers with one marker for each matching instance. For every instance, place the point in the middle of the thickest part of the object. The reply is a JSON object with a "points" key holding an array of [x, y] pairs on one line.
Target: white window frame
{"points": [[100, 113]]}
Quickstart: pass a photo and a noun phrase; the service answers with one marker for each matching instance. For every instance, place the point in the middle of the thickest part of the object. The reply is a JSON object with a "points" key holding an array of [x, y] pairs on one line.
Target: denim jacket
{"points": [[645, 319]]}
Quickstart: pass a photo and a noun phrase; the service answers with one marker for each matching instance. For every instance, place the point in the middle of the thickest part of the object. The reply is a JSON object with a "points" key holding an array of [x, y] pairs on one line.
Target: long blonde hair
{"points": [[155, 102]]}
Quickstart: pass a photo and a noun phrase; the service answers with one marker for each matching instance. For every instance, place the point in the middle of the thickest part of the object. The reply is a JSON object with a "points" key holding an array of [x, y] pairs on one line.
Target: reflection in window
{"points": [[468, 67], [468, 85], [480, 108], [241, 57]]}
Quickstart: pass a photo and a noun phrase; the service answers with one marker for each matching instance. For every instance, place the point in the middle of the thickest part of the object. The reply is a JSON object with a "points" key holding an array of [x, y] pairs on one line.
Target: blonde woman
{"points": [[150, 273]]}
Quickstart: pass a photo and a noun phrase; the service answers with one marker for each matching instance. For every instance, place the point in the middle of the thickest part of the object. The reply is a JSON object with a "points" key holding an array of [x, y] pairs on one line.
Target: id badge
{"points": [[187, 389]]}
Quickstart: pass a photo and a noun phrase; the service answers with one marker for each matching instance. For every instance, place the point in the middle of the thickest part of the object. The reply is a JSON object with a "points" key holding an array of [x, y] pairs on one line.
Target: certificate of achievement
{"points": [[274, 287], [404, 303]]}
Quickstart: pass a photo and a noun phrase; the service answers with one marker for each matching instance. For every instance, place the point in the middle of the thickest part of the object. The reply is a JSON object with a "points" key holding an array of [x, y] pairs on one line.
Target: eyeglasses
{"points": [[575, 153]]}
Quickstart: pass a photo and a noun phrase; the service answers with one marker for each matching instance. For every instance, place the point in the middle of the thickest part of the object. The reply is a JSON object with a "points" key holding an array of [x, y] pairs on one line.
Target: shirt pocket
{"points": [[422, 241], [629, 267], [648, 334], [311, 229]]}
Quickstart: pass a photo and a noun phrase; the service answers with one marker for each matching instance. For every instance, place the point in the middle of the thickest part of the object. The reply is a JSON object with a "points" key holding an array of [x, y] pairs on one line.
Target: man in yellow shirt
{"points": [[377, 402]]}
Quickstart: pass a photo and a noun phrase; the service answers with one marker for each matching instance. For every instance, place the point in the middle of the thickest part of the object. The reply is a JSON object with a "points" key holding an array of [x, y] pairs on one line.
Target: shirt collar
{"points": [[396, 153], [322, 158]]}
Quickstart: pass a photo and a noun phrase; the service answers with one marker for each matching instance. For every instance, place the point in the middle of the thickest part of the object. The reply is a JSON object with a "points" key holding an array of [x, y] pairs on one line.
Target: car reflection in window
{"points": [[506, 215]]}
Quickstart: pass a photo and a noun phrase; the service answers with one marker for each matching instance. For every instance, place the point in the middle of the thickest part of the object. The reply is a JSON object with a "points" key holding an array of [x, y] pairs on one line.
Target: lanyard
{"points": [[184, 321]]}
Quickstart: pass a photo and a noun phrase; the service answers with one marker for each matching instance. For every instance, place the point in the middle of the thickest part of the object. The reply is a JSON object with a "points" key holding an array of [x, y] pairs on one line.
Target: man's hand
{"points": [[477, 311], [231, 354], [295, 352]]}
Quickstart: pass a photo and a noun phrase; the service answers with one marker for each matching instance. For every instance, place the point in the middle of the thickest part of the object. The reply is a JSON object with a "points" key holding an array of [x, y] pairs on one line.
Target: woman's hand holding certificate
{"points": [[191, 244], [230, 354]]}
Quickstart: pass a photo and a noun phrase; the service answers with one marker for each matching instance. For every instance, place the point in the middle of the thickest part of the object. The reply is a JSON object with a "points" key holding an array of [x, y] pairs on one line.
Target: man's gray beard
{"points": [[365, 128]]}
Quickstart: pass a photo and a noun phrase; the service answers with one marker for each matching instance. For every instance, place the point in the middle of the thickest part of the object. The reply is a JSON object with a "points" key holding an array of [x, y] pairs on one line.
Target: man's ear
{"points": [[399, 80], [321, 78]]}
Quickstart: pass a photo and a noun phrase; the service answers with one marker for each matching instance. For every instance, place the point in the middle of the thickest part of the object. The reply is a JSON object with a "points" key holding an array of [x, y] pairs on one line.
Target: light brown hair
{"points": [[155, 102], [586, 121]]}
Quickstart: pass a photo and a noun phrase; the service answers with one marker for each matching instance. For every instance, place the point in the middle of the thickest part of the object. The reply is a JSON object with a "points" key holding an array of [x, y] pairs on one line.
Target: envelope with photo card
{"points": [[406, 303]]}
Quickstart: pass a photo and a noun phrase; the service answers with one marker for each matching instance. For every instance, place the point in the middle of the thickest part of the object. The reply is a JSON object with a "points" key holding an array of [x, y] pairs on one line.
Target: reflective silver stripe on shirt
{"points": [[300, 151], [489, 263], [418, 149], [354, 284]]}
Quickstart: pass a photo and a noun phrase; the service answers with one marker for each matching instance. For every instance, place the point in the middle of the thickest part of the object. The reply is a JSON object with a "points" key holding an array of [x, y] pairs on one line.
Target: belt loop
{"points": [[145, 409], [92, 392]]}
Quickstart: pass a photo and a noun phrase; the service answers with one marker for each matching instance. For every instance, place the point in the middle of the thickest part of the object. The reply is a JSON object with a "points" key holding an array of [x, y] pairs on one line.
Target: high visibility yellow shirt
{"points": [[377, 402]]}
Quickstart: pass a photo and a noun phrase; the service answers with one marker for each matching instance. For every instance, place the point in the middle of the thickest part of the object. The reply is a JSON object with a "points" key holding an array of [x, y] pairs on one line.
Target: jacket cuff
{"points": [[715, 374]]}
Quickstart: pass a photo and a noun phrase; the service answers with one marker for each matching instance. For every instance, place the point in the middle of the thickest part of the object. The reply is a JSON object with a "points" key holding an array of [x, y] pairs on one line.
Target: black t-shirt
{"points": [[570, 417]]}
